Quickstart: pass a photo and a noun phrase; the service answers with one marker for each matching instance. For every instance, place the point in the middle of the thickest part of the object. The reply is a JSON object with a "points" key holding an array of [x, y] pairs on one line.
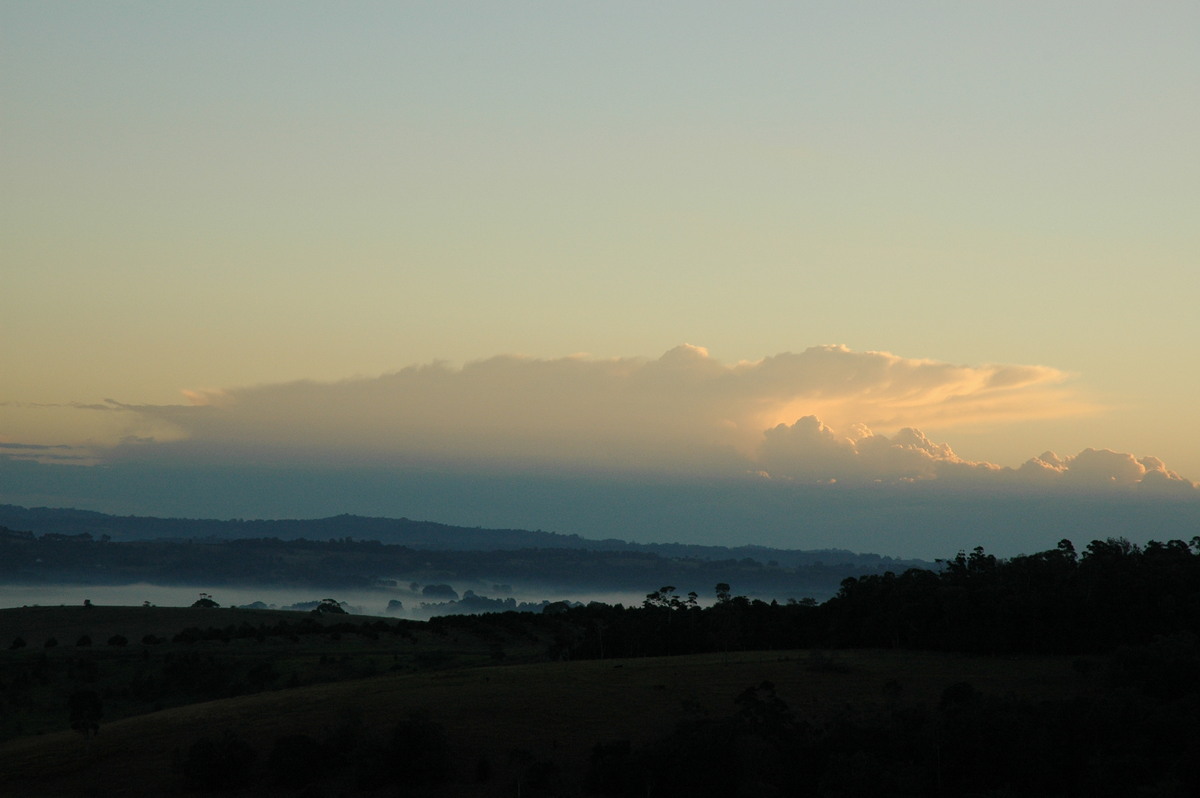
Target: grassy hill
{"points": [[504, 718], [511, 715]]}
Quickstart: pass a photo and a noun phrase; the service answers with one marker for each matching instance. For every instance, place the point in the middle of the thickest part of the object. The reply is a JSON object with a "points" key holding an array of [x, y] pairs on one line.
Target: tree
{"points": [[663, 598], [86, 710], [1067, 550], [329, 605]]}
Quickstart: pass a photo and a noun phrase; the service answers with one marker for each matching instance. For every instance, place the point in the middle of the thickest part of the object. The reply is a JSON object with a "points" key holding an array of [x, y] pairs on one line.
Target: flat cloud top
{"points": [[824, 414]]}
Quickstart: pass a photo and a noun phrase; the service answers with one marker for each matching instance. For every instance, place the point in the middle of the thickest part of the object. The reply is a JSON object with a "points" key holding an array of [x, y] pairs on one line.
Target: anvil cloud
{"points": [[821, 415]]}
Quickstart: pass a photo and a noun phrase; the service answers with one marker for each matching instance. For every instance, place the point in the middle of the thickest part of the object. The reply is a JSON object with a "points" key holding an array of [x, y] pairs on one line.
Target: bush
{"points": [[218, 764], [296, 760], [420, 752]]}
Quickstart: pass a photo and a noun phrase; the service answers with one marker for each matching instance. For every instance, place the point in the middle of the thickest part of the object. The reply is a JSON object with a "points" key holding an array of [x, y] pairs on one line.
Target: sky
{"points": [[674, 247]]}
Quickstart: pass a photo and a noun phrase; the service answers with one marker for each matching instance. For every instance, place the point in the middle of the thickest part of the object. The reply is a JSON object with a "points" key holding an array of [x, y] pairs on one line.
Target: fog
{"points": [[362, 602]]}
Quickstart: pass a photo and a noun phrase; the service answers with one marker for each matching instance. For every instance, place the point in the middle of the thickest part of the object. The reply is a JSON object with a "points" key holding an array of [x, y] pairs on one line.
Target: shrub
{"points": [[223, 763], [296, 760]]}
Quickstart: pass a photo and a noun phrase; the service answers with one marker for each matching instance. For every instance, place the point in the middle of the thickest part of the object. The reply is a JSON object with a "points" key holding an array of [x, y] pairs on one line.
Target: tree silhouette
{"points": [[330, 606], [86, 710]]}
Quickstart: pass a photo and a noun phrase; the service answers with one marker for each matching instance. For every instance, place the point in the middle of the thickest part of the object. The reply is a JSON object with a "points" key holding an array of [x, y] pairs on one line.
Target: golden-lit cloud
{"points": [[885, 391], [810, 451], [682, 410], [1102, 468], [825, 414]]}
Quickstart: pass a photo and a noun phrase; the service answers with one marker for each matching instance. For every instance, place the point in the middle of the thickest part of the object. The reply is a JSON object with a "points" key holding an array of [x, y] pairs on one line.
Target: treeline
{"points": [[1115, 593], [1055, 602]]}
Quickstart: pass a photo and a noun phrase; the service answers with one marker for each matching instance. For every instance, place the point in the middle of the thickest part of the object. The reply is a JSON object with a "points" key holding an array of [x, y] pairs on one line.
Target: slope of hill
{"points": [[501, 724]]}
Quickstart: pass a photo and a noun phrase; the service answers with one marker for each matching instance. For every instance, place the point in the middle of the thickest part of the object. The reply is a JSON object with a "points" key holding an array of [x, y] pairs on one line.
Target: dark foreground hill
{"points": [[862, 722], [551, 728]]}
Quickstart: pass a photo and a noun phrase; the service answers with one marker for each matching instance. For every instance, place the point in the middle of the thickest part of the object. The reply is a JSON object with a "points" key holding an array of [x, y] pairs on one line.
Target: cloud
{"points": [[885, 391], [1103, 468], [71, 432], [680, 410], [810, 451], [106, 405], [34, 446], [822, 415], [46, 452]]}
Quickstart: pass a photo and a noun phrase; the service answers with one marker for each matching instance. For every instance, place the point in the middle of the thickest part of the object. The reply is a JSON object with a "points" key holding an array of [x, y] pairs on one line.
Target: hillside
{"points": [[551, 715]]}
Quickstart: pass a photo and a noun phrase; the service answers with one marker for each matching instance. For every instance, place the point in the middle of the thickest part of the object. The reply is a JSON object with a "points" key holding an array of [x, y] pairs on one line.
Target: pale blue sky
{"points": [[216, 195]]}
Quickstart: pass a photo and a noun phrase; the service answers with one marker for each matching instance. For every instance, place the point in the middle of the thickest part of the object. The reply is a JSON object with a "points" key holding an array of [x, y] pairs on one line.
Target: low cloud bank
{"points": [[826, 414]]}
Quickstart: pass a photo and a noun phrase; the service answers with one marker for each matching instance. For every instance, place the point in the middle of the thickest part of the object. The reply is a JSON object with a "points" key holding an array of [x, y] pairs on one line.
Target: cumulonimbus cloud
{"points": [[809, 451], [684, 411], [1103, 467]]}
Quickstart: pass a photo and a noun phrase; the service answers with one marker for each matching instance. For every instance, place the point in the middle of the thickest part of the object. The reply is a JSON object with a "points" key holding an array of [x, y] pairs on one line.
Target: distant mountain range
{"points": [[44, 546], [425, 535]]}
